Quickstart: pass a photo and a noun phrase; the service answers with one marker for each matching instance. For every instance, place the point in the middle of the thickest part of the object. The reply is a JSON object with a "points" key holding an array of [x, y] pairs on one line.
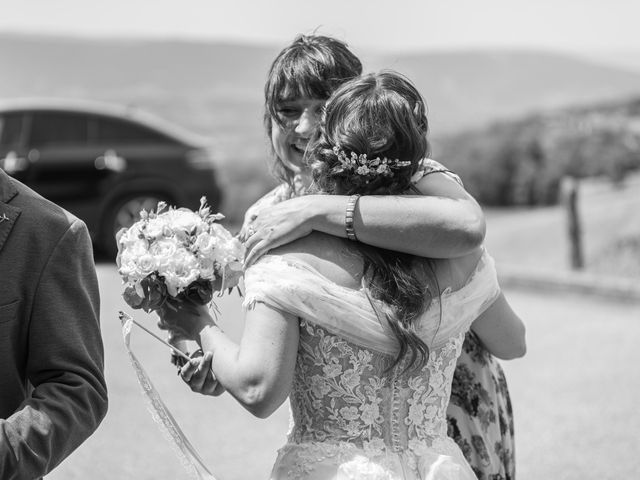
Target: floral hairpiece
{"points": [[364, 166]]}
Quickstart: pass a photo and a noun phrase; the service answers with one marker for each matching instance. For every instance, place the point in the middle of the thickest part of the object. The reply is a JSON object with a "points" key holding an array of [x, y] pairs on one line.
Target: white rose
{"points": [[154, 228], [180, 270], [228, 247], [129, 258], [184, 220], [146, 264], [205, 243], [163, 250], [230, 251]]}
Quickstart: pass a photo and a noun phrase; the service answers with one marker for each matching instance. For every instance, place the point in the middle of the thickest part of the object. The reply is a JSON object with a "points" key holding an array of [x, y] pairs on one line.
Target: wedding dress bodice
{"points": [[351, 412]]}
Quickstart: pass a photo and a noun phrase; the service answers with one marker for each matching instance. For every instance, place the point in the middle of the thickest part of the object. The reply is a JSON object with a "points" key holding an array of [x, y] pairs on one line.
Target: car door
{"points": [[62, 160], [131, 146]]}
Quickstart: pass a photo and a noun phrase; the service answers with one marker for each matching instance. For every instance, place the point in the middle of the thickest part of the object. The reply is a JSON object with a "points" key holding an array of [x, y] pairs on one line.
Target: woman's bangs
{"points": [[305, 82]]}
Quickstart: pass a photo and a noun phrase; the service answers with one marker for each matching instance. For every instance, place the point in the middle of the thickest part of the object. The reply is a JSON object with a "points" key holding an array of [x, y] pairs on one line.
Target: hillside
{"points": [[216, 89], [522, 161]]}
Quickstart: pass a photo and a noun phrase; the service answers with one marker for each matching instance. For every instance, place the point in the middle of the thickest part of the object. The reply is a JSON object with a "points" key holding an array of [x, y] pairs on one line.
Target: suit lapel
{"points": [[8, 213]]}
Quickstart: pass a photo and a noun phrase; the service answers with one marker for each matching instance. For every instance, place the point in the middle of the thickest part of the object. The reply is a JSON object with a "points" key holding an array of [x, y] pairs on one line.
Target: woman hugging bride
{"points": [[363, 341]]}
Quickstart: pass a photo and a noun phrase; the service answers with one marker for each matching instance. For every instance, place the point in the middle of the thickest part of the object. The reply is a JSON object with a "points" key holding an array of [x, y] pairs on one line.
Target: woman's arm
{"points": [[444, 222], [501, 331], [259, 370]]}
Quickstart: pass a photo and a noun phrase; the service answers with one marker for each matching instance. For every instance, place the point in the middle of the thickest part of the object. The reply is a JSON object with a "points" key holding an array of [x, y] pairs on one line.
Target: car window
{"points": [[10, 128], [49, 128], [105, 129]]}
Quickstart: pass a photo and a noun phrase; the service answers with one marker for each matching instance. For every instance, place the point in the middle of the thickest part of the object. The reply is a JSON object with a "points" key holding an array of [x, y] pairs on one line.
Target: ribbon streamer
{"points": [[161, 415]]}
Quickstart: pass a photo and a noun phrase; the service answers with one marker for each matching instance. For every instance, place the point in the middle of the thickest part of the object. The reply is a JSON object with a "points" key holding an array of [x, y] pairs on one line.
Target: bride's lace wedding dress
{"points": [[352, 418]]}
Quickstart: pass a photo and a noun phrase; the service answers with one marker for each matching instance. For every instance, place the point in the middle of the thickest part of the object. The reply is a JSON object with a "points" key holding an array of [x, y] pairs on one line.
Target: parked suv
{"points": [[104, 163]]}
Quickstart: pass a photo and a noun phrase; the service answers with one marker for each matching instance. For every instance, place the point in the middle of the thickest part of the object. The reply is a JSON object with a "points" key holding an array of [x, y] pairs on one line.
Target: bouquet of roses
{"points": [[170, 257], [175, 255]]}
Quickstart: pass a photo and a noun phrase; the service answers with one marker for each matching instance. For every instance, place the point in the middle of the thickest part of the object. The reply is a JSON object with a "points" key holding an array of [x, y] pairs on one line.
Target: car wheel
{"points": [[123, 214]]}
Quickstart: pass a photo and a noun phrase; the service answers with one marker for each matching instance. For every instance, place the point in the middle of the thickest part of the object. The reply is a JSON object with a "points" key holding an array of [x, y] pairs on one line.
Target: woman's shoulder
{"points": [[331, 257], [429, 166], [453, 274]]}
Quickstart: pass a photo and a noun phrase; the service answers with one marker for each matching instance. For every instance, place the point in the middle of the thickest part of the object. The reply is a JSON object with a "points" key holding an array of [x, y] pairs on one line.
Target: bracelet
{"points": [[348, 217]]}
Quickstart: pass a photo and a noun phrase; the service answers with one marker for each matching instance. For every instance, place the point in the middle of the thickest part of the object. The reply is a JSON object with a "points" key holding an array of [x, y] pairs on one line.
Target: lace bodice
{"points": [[344, 397], [344, 392]]}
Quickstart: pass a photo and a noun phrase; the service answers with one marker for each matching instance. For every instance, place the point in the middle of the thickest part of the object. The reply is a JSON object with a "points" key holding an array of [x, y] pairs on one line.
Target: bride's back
{"points": [[348, 395], [375, 356]]}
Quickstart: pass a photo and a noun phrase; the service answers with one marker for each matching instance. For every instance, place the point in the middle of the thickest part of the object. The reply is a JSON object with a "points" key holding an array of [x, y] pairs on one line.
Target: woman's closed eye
{"points": [[289, 112], [295, 110]]}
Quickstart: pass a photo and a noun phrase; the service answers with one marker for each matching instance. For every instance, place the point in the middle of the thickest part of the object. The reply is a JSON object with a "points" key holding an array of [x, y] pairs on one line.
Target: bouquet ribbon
{"points": [[161, 415]]}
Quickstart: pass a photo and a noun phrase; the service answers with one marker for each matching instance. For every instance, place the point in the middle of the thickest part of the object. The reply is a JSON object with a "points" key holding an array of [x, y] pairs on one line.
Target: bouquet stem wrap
{"points": [[161, 415]]}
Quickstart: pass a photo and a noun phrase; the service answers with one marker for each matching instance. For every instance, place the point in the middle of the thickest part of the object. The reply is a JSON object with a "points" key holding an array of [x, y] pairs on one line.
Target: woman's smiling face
{"points": [[291, 131]]}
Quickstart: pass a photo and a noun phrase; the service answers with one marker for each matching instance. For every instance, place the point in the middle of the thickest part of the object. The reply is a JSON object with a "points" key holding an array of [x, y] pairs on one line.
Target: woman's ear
{"points": [[418, 109], [420, 114]]}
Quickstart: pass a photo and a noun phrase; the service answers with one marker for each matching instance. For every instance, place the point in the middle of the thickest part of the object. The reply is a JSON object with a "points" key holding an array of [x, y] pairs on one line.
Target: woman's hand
{"points": [[186, 321], [198, 375], [278, 225]]}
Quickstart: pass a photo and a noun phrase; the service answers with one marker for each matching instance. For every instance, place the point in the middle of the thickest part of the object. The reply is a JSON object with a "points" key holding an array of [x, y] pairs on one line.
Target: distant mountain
{"points": [[39, 64], [216, 88], [523, 161], [464, 89], [628, 60]]}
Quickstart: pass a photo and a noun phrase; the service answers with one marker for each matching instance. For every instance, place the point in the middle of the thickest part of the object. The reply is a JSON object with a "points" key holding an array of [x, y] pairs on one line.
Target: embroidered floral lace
{"points": [[343, 401]]}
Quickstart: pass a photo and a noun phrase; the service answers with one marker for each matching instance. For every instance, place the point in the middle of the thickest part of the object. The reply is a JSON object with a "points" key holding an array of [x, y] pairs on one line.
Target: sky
{"points": [[387, 25]]}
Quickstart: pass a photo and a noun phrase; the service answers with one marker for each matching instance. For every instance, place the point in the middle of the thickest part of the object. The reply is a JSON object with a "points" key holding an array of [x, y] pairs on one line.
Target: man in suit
{"points": [[52, 389]]}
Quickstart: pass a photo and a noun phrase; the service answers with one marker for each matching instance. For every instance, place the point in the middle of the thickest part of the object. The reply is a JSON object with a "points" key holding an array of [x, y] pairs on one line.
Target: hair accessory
{"points": [[348, 217], [361, 165]]}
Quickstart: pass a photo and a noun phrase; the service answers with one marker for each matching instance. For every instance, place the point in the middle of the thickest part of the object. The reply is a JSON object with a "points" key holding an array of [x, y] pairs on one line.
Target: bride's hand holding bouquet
{"points": [[173, 260]]}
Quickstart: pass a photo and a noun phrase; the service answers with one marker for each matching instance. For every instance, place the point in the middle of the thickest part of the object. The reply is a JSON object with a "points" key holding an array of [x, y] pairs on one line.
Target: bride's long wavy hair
{"points": [[380, 115], [313, 66]]}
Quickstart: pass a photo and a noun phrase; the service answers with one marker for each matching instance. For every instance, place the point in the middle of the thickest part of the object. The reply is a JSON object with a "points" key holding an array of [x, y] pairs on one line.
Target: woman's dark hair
{"points": [[313, 66], [381, 116]]}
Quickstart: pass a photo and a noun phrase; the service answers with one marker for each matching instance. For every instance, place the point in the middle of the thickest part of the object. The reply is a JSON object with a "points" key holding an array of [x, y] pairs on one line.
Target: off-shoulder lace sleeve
{"points": [[294, 287], [461, 307], [278, 283]]}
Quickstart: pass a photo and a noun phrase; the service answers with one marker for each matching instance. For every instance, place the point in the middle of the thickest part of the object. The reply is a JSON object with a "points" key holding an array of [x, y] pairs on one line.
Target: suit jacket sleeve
{"points": [[65, 364]]}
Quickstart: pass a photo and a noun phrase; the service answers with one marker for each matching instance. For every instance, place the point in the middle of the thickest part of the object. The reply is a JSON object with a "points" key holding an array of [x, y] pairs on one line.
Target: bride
{"points": [[363, 341]]}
